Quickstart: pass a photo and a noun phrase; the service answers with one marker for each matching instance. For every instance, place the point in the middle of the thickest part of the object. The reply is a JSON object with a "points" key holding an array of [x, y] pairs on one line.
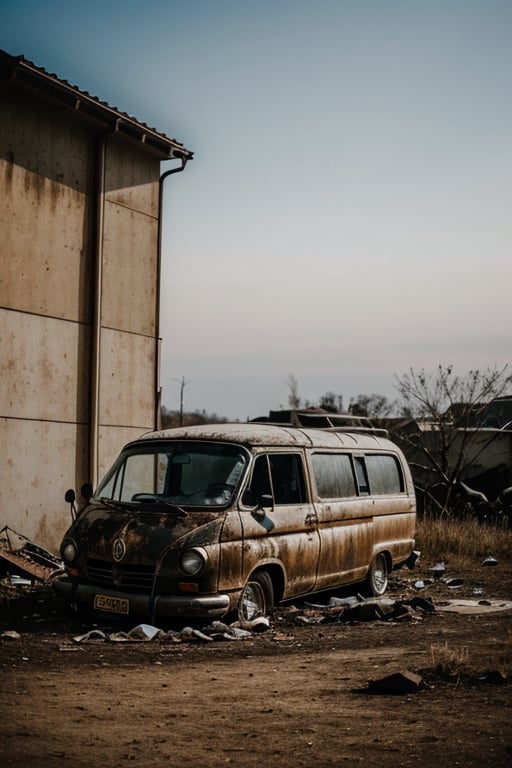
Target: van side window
{"points": [[280, 475], [287, 478], [384, 474], [333, 475], [362, 478], [260, 481]]}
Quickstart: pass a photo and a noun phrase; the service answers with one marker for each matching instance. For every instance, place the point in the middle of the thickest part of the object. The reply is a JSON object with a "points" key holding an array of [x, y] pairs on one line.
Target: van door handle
{"points": [[309, 519]]}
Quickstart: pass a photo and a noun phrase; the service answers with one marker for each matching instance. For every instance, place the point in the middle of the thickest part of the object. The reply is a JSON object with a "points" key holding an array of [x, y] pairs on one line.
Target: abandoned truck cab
{"points": [[208, 520]]}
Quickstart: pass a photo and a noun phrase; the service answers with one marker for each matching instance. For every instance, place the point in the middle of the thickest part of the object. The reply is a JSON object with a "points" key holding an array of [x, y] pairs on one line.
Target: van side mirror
{"points": [[265, 504], [86, 491], [70, 498], [259, 505]]}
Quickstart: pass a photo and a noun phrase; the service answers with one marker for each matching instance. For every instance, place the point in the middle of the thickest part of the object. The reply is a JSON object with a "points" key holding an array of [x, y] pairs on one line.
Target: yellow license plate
{"points": [[112, 604]]}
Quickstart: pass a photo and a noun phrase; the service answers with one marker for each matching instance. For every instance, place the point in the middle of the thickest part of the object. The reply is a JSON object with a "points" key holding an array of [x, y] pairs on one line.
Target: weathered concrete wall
{"points": [[47, 247], [129, 299], [46, 162]]}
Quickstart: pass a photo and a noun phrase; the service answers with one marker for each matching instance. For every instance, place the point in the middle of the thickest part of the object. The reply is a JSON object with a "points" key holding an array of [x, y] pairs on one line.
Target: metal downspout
{"points": [[158, 389], [97, 311]]}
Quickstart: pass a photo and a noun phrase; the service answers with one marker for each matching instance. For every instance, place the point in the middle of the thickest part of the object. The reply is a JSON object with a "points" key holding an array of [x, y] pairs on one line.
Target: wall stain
{"points": [[9, 168]]}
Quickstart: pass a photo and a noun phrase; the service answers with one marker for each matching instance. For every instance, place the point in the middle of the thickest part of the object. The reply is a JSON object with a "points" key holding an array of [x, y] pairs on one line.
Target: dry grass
{"points": [[460, 662], [462, 543], [462, 540], [449, 661]]}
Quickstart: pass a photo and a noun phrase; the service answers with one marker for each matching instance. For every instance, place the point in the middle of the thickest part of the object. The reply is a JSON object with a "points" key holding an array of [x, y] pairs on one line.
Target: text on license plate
{"points": [[112, 604]]}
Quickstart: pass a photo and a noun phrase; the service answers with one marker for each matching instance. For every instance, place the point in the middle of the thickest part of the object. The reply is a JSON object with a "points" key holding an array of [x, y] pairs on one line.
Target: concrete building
{"points": [[80, 213]]}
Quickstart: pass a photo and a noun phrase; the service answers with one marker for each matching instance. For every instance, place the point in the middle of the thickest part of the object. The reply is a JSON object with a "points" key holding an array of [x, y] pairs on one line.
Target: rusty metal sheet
{"points": [[19, 555], [14, 562]]}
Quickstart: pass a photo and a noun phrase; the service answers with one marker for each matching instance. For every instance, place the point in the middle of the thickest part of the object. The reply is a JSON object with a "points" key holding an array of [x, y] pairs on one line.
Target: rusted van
{"points": [[209, 520]]}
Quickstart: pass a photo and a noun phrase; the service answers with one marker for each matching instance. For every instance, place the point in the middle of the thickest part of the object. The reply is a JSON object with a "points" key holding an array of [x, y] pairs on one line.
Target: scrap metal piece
{"points": [[94, 636], [19, 555], [452, 583], [438, 569], [396, 684], [423, 583], [424, 604]]}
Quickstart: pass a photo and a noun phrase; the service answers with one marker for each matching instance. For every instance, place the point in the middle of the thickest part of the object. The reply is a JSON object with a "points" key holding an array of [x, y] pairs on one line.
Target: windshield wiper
{"points": [[162, 503], [111, 502], [143, 504]]}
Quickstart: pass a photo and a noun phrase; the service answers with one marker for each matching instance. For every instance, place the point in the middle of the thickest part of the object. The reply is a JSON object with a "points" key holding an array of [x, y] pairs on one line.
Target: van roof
{"points": [[266, 434]]}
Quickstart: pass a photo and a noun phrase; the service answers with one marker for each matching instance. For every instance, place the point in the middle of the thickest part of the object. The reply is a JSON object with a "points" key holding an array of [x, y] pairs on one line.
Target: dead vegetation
{"points": [[461, 662], [461, 542]]}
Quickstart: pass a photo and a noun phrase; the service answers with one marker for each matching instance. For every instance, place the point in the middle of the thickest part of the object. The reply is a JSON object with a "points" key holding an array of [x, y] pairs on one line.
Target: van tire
{"points": [[257, 598], [377, 578]]}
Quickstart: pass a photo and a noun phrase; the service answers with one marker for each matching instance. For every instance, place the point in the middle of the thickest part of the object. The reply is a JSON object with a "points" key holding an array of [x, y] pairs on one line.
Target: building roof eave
{"points": [[18, 69]]}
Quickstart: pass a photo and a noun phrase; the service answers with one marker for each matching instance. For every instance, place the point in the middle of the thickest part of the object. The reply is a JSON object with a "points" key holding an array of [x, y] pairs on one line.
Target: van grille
{"points": [[129, 577]]}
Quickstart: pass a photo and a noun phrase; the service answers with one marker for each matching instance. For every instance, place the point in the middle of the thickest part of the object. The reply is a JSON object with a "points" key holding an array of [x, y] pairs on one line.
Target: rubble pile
{"points": [[216, 631], [25, 562]]}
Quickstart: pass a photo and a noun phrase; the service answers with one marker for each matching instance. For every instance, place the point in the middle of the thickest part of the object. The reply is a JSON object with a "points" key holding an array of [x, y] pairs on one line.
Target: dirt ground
{"points": [[295, 695]]}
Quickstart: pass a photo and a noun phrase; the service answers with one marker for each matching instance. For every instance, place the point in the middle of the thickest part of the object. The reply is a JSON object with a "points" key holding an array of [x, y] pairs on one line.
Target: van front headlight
{"points": [[192, 561], [69, 551]]}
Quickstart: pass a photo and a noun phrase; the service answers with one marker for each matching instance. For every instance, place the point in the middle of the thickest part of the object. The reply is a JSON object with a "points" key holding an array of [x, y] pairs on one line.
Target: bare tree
{"points": [[329, 402], [377, 406], [448, 407], [293, 387]]}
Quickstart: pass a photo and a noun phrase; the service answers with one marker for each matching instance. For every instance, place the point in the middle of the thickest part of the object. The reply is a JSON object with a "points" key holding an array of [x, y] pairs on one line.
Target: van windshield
{"points": [[187, 474]]}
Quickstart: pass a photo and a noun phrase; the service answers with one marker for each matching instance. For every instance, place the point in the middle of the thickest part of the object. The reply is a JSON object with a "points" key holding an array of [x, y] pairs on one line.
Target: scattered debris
{"points": [[345, 602], [452, 583], [372, 609], [438, 570], [259, 624], [94, 636], [140, 633], [424, 604], [357, 608], [188, 633], [144, 633], [423, 583], [413, 559], [20, 556]]}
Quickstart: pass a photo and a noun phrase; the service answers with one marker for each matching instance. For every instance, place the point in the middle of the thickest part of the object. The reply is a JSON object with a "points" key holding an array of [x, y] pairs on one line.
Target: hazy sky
{"points": [[347, 212]]}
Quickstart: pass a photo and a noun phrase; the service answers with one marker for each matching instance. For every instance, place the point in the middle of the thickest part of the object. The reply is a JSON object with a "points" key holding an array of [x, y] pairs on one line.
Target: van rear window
{"points": [[384, 474], [333, 475]]}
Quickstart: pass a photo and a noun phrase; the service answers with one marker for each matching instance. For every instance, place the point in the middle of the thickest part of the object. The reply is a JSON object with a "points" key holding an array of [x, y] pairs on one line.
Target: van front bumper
{"points": [[159, 605]]}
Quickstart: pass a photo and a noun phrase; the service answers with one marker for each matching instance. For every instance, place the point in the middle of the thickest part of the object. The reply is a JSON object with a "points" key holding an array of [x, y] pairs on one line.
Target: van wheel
{"points": [[377, 579], [257, 599]]}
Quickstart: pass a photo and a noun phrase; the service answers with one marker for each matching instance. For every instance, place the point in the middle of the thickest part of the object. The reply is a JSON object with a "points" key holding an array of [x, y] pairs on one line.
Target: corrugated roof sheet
{"points": [[17, 68]]}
